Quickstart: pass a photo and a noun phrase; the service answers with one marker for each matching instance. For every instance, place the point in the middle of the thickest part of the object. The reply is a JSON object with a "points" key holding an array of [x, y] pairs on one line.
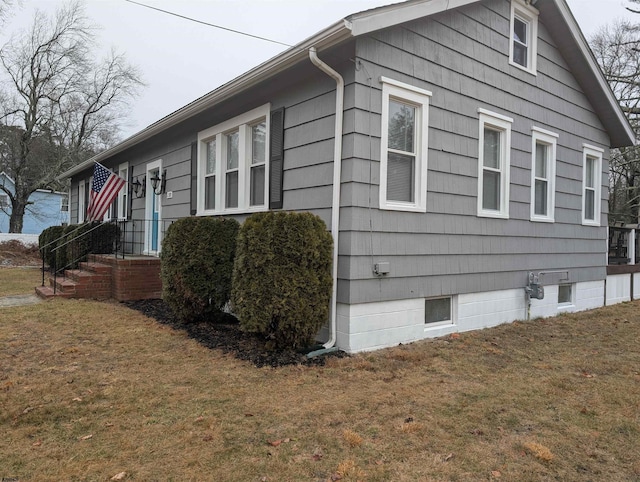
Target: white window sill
{"points": [[521, 67], [255, 209], [414, 208], [591, 223], [562, 307], [542, 219], [438, 325], [493, 214]]}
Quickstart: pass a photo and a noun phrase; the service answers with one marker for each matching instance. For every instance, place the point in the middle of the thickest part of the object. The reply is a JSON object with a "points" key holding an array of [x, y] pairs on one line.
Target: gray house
{"points": [[467, 161]]}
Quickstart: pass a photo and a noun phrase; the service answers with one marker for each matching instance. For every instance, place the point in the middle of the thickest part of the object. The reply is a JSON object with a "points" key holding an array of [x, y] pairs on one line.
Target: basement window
{"points": [[565, 295], [438, 311]]}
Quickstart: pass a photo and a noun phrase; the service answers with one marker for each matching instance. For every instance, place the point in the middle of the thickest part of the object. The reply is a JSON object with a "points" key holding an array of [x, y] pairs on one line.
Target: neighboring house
{"points": [[45, 208], [472, 150]]}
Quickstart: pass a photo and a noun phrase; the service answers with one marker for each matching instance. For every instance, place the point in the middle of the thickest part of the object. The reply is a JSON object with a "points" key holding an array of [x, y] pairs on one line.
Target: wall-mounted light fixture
{"points": [[139, 188], [159, 184]]}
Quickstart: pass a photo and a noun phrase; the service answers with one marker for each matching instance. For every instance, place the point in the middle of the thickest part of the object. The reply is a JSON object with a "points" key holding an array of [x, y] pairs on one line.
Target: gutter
{"points": [[335, 205]]}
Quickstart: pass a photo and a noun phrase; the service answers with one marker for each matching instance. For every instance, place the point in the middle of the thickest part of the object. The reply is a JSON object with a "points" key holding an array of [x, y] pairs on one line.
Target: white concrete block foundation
{"points": [[371, 326]]}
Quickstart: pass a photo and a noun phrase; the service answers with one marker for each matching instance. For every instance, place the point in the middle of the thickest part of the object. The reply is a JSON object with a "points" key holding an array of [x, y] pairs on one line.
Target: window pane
{"points": [[589, 204], [257, 186], [437, 310], [491, 148], [210, 192], [541, 197], [232, 150], [400, 177], [401, 126], [211, 157], [564, 294], [258, 137], [491, 190], [520, 31], [519, 54], [590, 171], [542, 152], [232, 190]]}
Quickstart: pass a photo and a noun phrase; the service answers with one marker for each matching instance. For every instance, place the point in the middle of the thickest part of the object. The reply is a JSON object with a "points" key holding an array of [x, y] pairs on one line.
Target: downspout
{"points": [[335, 205]]}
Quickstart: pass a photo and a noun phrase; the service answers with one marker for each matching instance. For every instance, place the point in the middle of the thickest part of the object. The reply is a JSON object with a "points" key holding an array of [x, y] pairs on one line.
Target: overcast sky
{"points": [[182, 60]]}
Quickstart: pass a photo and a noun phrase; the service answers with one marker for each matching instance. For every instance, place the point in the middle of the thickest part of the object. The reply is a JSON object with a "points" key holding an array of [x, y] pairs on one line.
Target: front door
{"points": [[153, 211]]}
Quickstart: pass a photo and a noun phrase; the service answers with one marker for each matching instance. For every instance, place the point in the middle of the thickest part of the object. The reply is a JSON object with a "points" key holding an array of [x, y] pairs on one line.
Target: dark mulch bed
{"points": [[224, 333]]}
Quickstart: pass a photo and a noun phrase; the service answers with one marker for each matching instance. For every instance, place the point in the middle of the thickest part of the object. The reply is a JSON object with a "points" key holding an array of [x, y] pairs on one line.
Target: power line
{"points": [[209, 24]]}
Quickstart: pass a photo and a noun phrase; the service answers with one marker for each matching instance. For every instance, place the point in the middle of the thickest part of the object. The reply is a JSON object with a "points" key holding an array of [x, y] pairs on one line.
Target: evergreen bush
{"points": [[282, 277], [47, 236], [102, 239], [197, 264], [62, 248]]}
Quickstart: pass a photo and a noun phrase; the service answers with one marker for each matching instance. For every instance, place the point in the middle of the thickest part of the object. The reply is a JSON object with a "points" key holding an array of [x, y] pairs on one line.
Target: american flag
{"points": [[104, 188]]}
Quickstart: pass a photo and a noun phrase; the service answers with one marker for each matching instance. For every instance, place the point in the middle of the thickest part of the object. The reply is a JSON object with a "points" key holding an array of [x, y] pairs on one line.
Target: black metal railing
{"points": [[141, 236], [118, 237], [75, 247]]}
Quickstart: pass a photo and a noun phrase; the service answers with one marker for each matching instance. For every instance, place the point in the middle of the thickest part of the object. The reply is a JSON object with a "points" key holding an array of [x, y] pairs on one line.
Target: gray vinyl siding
{"points": [[308, 96], [461, 56]]}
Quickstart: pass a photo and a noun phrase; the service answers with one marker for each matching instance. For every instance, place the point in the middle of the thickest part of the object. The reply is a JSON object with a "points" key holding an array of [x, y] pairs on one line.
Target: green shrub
{"points": [[196, 265], [62, 248], [101, 240], [282, 277], [47, 236]]}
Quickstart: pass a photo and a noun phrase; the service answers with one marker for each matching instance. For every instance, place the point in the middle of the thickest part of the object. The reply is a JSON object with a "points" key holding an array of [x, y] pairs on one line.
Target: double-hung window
{"points": [[543, 173], [524, 36], [591, 184], [403, 160], [4, 201], [494, 164], [233, 164]]}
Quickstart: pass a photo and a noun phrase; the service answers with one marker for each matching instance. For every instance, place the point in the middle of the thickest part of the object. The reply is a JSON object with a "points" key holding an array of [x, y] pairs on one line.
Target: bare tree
{"points": [[5, 7], [617, 50], [58, 106]]}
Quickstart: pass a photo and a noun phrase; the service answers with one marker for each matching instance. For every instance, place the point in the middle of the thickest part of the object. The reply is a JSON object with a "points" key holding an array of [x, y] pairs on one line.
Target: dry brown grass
{"points": [[90, 390], [19, 281]]}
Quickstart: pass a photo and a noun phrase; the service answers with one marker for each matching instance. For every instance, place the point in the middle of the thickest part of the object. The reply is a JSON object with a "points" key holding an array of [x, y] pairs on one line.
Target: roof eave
{"points": [[615, 122], [324, 39]]}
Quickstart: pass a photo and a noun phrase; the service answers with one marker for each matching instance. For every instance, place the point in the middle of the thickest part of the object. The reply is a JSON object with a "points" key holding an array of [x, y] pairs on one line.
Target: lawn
{"points": [[19, 281], [92, 390]]}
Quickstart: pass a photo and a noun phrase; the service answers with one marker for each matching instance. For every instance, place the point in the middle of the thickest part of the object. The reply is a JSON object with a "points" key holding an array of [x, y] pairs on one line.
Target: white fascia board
{"points": [[384, 17], [326, 38], [585, 50]]}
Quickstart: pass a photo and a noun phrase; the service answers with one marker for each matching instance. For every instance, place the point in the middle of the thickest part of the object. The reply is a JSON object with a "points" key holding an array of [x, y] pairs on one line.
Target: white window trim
{"points": [[567, 304], [420, 99], [148, 209], [551, 140], [242, 122], [529, 15], [81, 207], [502, 123], [453, 313], [124, 191], [595, 152]]}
